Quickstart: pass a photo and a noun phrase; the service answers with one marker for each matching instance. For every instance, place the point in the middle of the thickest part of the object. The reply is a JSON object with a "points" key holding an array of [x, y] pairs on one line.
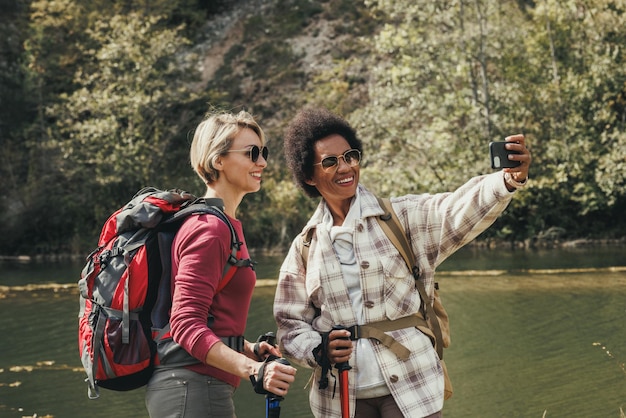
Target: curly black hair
{"points": [[307, 127]]}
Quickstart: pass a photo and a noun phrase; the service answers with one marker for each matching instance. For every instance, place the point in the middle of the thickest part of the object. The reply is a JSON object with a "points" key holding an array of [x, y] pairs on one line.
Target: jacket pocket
{"points": [[401, 297]]}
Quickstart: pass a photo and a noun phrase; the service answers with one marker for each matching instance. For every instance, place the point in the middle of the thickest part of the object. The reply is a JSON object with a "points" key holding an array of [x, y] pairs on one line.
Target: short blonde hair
{"points": [[213, 138]]}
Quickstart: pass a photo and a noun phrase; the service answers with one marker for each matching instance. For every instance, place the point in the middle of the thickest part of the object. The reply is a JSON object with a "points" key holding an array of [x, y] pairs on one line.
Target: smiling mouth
{"points": [[256, 175], [346, 180]]}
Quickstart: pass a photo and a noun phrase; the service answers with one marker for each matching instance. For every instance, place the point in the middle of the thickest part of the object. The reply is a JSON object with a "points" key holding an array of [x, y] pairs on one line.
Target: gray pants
{"points": [[181, 393]]}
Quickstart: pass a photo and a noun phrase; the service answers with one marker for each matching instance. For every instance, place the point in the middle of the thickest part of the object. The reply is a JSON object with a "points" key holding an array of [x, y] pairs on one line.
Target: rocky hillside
{"points": [[266, 55]]}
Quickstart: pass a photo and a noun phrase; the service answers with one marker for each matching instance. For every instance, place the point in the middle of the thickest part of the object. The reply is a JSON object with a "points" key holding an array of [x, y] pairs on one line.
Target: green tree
{"points": [[98, 99], [112, 108], [573, 86], [15, 103], [118, 129], [48, 34], [451, 76]]}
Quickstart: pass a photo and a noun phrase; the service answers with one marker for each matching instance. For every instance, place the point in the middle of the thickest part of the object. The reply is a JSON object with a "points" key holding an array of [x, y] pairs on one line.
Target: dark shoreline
{"points": [[539, 243], [486, 244]]}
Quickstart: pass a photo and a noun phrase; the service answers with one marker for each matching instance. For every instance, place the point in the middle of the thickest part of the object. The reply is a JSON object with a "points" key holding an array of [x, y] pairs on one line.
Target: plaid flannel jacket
{"points": [[312, 301]]}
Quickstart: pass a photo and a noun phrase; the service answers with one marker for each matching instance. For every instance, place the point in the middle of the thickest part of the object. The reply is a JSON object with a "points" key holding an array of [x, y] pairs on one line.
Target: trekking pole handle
{"points": [[272, 400], [271, 396], [343, 365], [269, 337]]}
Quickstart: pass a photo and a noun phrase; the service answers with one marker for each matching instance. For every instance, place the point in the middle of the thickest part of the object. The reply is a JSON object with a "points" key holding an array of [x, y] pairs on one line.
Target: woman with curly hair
{"points": [[354, 276]]}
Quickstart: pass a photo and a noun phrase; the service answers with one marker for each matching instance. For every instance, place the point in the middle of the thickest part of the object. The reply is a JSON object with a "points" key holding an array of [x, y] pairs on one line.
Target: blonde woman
{"points": [[228, 152]]}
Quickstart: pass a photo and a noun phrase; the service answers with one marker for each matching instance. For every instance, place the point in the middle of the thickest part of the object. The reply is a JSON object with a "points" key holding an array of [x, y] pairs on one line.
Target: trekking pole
{"points": [[272, 401], [344, 389]]}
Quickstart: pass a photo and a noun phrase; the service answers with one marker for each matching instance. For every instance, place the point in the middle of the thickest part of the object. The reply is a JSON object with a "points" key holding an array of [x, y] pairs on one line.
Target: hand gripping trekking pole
{"points": [[344, 388], [272, 401]]}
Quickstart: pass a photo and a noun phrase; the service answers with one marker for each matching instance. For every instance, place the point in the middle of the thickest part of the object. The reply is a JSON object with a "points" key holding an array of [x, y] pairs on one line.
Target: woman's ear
{"points": [[218, 164], [310, 182]]}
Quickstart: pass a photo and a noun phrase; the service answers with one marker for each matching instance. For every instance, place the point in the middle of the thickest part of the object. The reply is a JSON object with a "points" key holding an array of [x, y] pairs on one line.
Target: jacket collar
{"points": [[369, 207]]}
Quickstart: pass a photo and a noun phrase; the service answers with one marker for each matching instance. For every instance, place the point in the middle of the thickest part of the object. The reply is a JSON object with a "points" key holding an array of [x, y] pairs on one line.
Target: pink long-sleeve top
{"points": [[199, 253]]}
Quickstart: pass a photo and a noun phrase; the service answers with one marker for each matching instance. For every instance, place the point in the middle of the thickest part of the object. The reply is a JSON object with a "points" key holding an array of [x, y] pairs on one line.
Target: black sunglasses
{"points": [[254, 152], [352, 157]]}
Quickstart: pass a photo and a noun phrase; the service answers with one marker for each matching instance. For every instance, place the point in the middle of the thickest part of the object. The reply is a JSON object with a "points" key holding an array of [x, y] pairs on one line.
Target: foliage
{"points": [[112, 105], [452, 76], [275, 215], [14, 105], [112, 125], [98, 99]]}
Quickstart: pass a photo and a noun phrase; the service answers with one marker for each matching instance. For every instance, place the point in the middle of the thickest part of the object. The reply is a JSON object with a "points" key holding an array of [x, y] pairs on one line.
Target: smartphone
{"points": [[500, 156]]}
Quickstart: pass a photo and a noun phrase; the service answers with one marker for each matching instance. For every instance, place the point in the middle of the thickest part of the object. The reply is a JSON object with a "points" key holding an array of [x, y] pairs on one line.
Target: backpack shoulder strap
{"points": [[395, 232], [392, 227], [306, 244], [214, 207]]}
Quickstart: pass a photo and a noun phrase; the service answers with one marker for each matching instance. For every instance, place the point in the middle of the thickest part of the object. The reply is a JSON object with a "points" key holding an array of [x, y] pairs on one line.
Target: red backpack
{"points": [[125, 296]]}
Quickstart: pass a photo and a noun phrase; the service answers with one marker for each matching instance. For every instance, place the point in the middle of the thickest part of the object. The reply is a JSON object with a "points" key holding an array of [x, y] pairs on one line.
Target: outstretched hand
{"points": [[517, 143]]}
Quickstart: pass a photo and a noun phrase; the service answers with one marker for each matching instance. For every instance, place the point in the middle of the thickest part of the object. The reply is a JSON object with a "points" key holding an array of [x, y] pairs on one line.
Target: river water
{"points": [[534, 334]]}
